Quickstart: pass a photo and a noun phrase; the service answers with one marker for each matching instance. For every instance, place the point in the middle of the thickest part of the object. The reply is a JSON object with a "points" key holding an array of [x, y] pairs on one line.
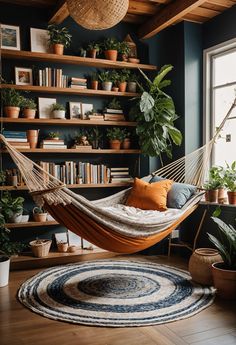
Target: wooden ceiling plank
{"points": [[219, 8], [167, 16], [204, 12], [224, 3], [194, 18], [31, 3], [146, 8], [59, 14], [133, 19]]}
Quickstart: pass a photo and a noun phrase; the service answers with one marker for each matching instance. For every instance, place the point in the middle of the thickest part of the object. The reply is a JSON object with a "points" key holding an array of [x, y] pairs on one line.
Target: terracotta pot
{"points": [[221, 195], [62, 247], [206, 195], [29, 113], [94, 84], [111, 54], [224, 281], [122, 86], [115, 89], [12, 112], [200, 264], [213, 195], [32, 137], [232, 197], [58, 49], [40, 217], [115, 144], [126, 144], [92, 53]]}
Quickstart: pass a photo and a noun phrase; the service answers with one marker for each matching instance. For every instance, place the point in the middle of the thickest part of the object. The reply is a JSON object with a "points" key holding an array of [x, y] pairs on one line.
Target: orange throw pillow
{"points": [[149, 196]]}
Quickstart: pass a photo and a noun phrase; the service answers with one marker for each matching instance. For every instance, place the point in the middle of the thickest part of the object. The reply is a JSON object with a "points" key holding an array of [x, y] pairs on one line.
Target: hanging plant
{"points": [[155, 115]]}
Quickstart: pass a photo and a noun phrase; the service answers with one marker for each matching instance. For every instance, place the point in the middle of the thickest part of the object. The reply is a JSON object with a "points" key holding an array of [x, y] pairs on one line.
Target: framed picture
{"points": [[85, 107], [10, 37], [45, 107], [23, 76], [39, 40], [75, 110]]}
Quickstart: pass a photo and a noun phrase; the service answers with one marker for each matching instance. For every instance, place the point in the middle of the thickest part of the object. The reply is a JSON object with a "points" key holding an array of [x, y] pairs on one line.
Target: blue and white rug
{"points": [[114, 293]]}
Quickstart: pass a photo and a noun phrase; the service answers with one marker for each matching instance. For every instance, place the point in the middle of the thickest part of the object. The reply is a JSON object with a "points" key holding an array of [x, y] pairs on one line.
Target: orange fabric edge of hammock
{"points": [[103, 237]]}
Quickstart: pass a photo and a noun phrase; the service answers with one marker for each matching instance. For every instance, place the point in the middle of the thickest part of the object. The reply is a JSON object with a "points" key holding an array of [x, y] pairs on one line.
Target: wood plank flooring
{"points": [[215, 325]]}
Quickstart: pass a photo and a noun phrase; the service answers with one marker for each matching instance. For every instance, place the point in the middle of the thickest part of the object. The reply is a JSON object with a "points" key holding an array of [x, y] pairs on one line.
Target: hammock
{"points": [[101, 222]]}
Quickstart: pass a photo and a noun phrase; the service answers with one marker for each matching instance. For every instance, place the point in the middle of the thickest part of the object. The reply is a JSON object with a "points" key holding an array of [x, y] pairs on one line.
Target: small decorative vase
{"points": [[32, 137], [58, 49], [200, 264], [111, 54], [29, 113], [115, 144], [62, 247], [94, 84], [12, 112], [122, 86]]}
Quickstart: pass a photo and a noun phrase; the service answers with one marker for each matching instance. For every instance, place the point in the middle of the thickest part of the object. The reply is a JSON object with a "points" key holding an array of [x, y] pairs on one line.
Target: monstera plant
{"points": [[155, 115]]}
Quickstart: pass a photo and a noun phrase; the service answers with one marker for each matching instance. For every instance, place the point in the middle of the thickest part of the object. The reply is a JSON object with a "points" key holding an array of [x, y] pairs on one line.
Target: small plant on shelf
{"points": [[8, 247], [94, 137], [11, 208], [124, 50], [39, 214], [123, 78], [54, 135], [93, 49], [58, 38], [12, 102], [106, 80], [29, 108], [94, 80], [2, 177], [115, 136], [111, 46], [132, 82], [230, 182], [114, 104], [58, 111], [115, 79]]}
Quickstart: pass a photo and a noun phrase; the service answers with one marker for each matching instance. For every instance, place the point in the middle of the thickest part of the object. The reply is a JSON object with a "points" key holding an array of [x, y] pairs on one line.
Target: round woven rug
{"points": [[114, 293]]}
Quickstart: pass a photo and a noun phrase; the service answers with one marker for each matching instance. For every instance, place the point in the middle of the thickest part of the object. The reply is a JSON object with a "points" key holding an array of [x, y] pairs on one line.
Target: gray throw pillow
{"points": [[179, 193]]}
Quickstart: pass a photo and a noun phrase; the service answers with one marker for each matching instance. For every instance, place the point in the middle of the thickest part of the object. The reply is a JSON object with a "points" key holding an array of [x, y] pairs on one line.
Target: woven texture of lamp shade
{"points": [[97, 14]]}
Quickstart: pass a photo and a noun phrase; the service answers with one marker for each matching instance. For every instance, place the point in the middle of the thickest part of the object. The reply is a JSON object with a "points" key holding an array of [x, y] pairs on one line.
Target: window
{"points": [[220, 92]]}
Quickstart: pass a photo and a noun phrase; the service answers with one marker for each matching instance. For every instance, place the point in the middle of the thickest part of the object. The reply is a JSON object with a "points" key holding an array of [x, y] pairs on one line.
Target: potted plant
{"points": [[114, 104], [123, 78], [8, 249], [115, 79], [132, 82], [94, 81], [2, 177], [111, 46], [11, 208], [62, 246], [12, 101], [94, 137], [211, 187], [224, 273], [54, 135], [39, 214], [58, 38], [126, 142], [58, 111], [155, 114], [230, 182], [105, 79], [25, 216], [93, 49], [29, 108], [124, 50], [216, 176], [115, 136]]}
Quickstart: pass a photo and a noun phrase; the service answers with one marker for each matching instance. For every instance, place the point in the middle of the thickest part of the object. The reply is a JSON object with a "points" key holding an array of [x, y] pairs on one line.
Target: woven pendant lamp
{"points": [[97, 14]]}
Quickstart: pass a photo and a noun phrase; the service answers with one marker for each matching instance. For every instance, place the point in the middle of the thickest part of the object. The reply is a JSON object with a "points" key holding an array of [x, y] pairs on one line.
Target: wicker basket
{"points": [[40, 248], [200, 265], [97, 14]]}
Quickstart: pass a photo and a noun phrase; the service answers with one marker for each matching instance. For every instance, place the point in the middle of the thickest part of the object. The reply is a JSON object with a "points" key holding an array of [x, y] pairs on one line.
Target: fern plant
{"points": [[155, 114]]}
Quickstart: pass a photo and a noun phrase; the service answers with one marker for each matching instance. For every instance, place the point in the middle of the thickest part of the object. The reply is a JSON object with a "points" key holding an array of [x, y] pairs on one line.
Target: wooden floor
{"points": [[215, 325]]}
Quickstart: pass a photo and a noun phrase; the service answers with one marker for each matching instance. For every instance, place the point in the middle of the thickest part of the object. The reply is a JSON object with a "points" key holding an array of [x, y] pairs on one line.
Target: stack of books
{"points": [[78, 83], [113, 115], [96, 116], [83, 148], [120, 175], [17, 139], [53, 144], [52, 77]]}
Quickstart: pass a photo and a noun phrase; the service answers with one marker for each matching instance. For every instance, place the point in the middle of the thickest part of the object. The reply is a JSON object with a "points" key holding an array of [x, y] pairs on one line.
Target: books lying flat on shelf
{"points": [[82, 147], [19, 140], [58, 147], [53, 144], [99, 117], [113, 111], [120, 174], [111, 117], [15, 136]]}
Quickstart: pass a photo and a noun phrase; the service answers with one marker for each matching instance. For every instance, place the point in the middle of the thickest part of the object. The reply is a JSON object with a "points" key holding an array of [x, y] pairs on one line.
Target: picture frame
{"points": [[23, 76], [75, 110], [10, 37], [39, 40], [45, 106], [85, 107]]}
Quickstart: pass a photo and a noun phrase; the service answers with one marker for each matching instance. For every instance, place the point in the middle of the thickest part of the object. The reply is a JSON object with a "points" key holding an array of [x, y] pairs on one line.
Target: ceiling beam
{"points": [[167, 16], [60, 13], [142, 8]]}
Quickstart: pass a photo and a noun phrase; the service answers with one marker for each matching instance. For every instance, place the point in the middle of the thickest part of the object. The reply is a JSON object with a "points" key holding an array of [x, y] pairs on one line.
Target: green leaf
{"points": [[161, 75], [175, 134], [217, 212], [147, 102], [164, 83]]}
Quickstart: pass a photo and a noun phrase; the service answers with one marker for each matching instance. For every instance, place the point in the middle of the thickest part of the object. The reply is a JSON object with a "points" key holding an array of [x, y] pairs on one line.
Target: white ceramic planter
{"points": [[4, 272], [58, 114], [107, 85], [16, 218]]}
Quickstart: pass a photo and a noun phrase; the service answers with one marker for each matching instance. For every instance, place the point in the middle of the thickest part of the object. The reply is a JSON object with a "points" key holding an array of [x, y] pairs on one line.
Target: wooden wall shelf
{"points": [[69, 91], [30, 224], [67, 122], [75, 186], [104, 151], [73, 60]]}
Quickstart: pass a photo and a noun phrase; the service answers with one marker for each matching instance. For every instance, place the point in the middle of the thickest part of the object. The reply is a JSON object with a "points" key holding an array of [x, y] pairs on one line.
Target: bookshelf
{"points": [[26, 260]]}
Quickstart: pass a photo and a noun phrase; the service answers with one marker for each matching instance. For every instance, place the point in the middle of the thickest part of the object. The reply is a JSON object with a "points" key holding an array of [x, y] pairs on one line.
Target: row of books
{"points": [[52, 77], [17, 139]]}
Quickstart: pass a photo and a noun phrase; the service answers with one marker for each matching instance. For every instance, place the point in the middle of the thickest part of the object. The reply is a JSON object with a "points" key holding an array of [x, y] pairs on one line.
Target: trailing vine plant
{"points": [[155, 115]]}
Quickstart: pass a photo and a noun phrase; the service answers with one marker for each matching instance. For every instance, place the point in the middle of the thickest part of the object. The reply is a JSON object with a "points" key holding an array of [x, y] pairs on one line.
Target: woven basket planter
{"points": [[200, 265], [40, 248]]}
